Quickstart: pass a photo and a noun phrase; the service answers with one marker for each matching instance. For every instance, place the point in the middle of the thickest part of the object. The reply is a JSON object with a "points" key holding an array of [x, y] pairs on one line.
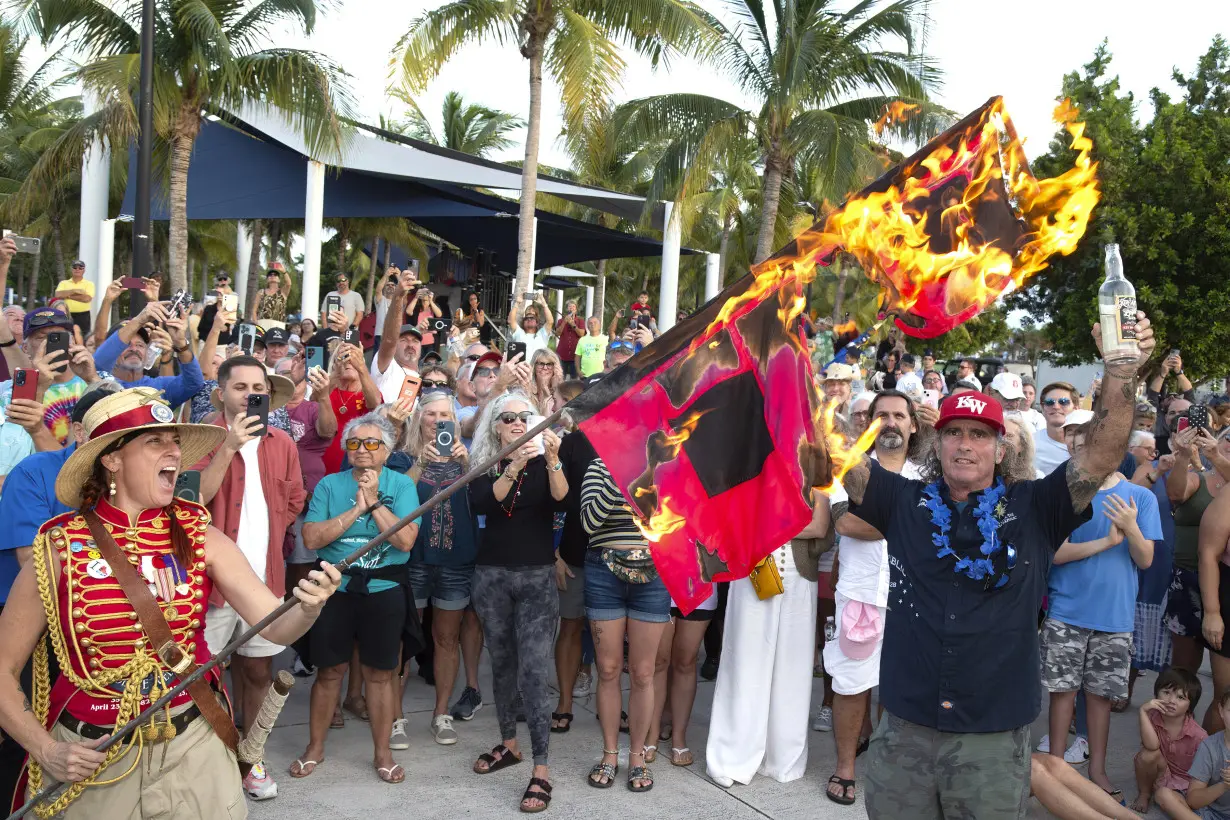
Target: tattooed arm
{"points": [[1107, 439]]}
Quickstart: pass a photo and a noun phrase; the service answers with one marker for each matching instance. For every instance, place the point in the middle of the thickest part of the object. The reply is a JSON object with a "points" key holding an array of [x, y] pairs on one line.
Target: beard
{"points": [[890, 438]]}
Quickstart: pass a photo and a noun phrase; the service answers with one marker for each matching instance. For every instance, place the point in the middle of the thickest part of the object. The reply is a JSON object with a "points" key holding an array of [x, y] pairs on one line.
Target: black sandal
{"points": [[844, 800], [607, 770], [543, 796], [640, 773], [494, 763], [560, 717], [623, 723], [864, 743]]}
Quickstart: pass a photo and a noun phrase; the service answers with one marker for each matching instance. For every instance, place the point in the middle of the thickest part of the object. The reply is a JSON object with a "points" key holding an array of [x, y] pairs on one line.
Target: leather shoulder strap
{"points": [[155, 625]]}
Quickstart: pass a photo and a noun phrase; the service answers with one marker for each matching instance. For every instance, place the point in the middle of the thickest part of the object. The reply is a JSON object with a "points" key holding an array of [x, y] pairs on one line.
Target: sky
{"points": [[983, 47]]}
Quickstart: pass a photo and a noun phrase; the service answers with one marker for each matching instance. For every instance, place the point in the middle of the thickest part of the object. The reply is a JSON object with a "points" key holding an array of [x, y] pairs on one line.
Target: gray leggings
{"points": [[519, 611]]}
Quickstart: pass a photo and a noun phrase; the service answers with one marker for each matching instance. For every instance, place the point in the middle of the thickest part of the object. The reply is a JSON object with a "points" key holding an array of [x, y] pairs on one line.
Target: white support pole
{"points": [[672, 238], [713, 281], [104, 271], [243, 251], [589, 302], [559, 303], [95, 180], [314, 216]]}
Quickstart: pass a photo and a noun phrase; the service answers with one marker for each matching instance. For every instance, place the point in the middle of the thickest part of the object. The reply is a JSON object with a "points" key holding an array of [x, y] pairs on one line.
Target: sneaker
{"points": [[300, 669], [1078, 752], [442, 730], [709, 669], [398, 739], [1044, 745], [471, 701], [258, 785], [585, 682], [824, 720]]}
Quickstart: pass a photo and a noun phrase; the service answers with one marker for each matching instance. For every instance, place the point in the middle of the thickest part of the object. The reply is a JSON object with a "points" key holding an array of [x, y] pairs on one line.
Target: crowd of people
{"points": [[982, 551]]}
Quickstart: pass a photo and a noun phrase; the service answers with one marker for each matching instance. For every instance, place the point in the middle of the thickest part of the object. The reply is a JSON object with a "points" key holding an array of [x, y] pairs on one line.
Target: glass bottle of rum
{"points": [[1117, 312]]}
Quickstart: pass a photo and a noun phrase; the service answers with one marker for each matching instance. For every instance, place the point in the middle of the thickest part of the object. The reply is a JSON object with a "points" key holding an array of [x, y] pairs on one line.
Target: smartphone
{"points": [[25, 244], [332, 303], [1181, 424], [133, 282], [25, 384], [931, 398], [532, 295], [440, 325], [514, 348], [230, 302], [410, 387], [1198, 416], [1174, 352], [247, 339], [350, 335], [57, 340], [445, 436], [188, 486], [533, 422], [182, 300], [316, 357], [633, 323], [258, 405]]}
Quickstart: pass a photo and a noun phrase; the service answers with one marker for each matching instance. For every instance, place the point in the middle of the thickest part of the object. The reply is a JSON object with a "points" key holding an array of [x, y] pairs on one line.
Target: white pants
{"points": [[223, 625], [763, 696]]}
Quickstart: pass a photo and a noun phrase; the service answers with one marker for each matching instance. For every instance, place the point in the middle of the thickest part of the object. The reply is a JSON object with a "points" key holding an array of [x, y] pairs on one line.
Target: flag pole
{"points": [[437, 499]]}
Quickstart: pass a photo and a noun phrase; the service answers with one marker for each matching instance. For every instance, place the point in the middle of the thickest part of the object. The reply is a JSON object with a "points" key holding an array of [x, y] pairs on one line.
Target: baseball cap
{"points": [[839, 372], [42, 317], [276, 336], [1008, 385], [973, 406], [78, 264], [968, 384], [860, 631], [431, 356], [1078, 417], [412, 330], [490, 357]]}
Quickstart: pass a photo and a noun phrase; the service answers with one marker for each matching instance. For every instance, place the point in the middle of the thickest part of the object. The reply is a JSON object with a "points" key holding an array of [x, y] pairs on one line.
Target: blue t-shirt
{"points": [[1206, 768], [1099, 592], [335, 494], [28, 502]]}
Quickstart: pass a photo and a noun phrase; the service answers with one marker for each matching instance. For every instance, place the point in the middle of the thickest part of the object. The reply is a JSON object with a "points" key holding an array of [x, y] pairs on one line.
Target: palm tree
{"points": [[208, 55], [732, 184], [578, 43], [467, 127], [820, 76]]}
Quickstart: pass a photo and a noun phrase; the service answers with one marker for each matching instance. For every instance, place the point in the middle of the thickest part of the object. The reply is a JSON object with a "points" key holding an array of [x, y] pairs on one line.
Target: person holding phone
{"points": [[530, 324], [474, 317], [123, 353], [401, 343], [253, 498], [569, 329], [419, 312], [269, 309], [347, 300], [352, 393]]}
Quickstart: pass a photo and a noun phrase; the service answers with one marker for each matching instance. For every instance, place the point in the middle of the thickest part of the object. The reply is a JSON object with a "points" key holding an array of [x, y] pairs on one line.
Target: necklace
{"points": [[512, 503], [988, 513]]}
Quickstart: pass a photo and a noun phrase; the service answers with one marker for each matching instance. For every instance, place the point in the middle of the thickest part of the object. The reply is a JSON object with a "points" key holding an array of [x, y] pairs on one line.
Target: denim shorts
{"points": [[607, 598], [447, 588]]}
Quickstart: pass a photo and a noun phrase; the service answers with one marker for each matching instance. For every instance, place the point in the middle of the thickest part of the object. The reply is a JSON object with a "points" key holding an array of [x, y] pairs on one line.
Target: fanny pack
{"points": [[634, 566], [766, 579]]}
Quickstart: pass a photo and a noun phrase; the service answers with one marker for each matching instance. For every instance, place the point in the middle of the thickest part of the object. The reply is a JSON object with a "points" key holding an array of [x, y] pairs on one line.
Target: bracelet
{"points": [[179, 350], [559, 465]]}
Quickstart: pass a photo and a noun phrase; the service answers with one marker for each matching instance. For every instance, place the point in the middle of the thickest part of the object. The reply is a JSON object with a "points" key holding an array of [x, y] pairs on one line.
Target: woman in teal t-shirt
{"points": [[348, 509]]}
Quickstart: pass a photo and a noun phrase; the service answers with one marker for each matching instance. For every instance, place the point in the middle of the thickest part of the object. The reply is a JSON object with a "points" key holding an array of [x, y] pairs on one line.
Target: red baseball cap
{"points": [[974, 406]]}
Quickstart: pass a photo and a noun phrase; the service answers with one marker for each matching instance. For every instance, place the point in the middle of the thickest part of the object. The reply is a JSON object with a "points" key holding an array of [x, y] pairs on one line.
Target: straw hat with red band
{"points": [[135, 410], [972, 406]]}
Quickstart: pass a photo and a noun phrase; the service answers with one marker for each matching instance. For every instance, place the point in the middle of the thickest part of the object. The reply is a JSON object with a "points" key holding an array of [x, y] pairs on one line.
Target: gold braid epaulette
{"points": [[96, 682]]}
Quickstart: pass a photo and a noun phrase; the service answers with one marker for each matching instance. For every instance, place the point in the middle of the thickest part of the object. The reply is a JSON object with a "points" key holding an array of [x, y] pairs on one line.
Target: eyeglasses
{"points": [[486, 371], [509, 418], [369, 444], [432, 383], [545, 366], [1053, 402]]}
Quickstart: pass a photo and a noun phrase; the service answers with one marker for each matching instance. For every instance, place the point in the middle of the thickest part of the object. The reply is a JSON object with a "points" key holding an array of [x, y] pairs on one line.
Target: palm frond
{"points": [[433, 38], [585, 64]]}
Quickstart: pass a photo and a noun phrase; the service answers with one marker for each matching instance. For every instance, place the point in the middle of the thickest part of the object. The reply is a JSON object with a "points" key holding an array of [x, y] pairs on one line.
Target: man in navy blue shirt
{"points": [[968, 558], [123, 354]]}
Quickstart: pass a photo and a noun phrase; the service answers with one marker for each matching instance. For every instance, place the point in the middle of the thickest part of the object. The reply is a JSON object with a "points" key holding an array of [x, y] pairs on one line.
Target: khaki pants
{"points": [[199, 780]]}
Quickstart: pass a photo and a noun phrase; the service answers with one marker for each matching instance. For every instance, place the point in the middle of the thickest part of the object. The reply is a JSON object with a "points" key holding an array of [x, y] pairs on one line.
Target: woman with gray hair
{"points": [[514, 589], [348, 509]]}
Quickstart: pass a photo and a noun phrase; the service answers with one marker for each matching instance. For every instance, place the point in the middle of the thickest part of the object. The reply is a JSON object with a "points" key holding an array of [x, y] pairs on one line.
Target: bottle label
{"points": [[1127, 318]]}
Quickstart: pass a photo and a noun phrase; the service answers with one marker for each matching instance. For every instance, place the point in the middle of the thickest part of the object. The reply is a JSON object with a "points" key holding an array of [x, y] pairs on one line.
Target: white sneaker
{"points": [[1078, 752], [398, 739], [581, 688], [1044, 745], [258, 785], [823, 721], [443, 731]]}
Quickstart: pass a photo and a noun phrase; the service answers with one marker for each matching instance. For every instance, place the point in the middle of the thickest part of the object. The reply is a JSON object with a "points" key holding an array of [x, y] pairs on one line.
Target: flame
{"points": [[897, 111], [843, 456], [664, 519], [662, 523]]}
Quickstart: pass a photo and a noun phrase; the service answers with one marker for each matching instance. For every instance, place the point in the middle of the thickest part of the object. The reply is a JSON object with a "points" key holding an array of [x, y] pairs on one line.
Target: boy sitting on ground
{"points": [[1169, 737], [1209, 792]]}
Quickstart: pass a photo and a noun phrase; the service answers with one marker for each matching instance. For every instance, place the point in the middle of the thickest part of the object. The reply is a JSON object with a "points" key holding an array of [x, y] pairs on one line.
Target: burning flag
{"points": [[715, 434]]}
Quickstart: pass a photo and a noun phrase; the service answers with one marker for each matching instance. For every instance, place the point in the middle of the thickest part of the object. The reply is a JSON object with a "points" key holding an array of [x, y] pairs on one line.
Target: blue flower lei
{"points": [[988, 513]]}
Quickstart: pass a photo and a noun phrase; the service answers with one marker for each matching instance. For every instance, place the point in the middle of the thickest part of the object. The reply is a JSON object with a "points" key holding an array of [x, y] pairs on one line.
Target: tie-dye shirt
{"points": [[59, 401]]}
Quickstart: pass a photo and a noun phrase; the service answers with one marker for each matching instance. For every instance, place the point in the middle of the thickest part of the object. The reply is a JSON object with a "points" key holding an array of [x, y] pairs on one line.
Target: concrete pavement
{"points": [[440, 784]]}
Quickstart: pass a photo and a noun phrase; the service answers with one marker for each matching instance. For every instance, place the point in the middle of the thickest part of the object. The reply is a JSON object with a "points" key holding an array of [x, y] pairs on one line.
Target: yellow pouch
{"points": [[766, 580]]}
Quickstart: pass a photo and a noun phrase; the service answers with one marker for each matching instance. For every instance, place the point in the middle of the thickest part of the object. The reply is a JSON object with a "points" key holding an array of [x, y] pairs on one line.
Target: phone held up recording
{"points": [[25, 384]]}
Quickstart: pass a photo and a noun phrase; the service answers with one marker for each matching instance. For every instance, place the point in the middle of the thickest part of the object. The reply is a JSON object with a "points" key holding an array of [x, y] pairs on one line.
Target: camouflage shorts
{"points": [[1075, 658], [917, 773]]}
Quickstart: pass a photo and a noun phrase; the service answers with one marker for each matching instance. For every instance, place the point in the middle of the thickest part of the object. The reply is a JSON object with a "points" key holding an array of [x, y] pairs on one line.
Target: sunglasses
{"points": [[1053, 402], [486, 371], [474, 357], [78, 267], [509, 418], [430, 383], [623, 346], [369, 444]]}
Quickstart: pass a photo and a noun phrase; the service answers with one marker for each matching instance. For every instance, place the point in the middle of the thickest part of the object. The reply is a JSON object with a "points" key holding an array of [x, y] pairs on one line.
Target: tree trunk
{"points": [[255, 283], [388, 256], [723, 250], [840, 298], [371, 274], [600, 294], [529, 169], [58, 246], [35, 264], [19, 292], [343, 239], [186, 129], [770, 197]]}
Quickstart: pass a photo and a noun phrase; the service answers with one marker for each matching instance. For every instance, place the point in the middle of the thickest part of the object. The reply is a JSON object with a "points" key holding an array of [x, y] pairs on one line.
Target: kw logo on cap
{"points": [[966, 401]]}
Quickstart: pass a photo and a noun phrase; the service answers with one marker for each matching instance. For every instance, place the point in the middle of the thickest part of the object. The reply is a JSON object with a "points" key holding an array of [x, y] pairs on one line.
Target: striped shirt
{"points": [[605, 514]]}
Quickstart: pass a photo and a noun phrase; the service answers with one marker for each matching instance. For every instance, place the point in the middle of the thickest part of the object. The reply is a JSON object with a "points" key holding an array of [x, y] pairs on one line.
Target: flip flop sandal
{"points": [[1120, 705], [678, 755], [651, 754], [543, 796], [338, 721], [843, 800], [560, 717], [356, 707], [864, 743], [600, 770], [640, 773], [391, 774], [499, 758], [306, 767]]}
